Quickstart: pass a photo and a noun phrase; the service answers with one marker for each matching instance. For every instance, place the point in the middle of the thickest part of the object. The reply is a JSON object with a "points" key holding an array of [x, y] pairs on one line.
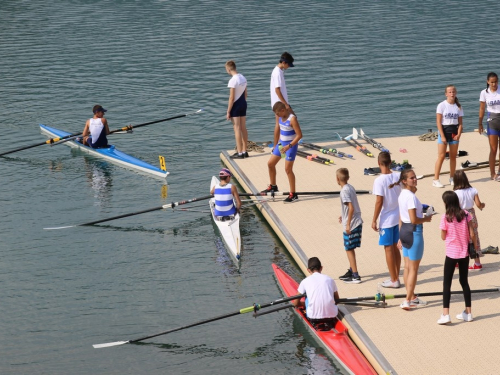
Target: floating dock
{"points": [[393, 340]]}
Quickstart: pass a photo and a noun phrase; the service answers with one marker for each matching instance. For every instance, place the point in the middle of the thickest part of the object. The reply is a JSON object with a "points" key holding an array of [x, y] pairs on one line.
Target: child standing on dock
{"points": [[387, 208], [237, 109], [287, 133], [449, 115], [352, 222], [467, 196], [456, 228]]}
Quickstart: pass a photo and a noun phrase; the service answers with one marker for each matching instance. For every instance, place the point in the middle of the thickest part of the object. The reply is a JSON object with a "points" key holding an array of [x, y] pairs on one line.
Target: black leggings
{"points": [[463, 272]]}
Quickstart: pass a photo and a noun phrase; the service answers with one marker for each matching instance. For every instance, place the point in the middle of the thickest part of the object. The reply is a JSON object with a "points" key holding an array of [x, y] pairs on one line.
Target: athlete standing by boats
{"points": [[226, 195], [322, 294], [237, 109], [96, 129], [489, 100], [287, 132], [449, 114]]}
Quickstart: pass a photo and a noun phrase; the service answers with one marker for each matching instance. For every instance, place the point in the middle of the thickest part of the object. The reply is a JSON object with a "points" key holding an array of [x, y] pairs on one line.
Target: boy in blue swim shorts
{"points": [[352, 222], [287, 134]]}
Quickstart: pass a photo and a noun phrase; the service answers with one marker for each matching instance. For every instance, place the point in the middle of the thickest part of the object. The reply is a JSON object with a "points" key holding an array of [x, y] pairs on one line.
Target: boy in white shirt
{"points": [[387, 208]]}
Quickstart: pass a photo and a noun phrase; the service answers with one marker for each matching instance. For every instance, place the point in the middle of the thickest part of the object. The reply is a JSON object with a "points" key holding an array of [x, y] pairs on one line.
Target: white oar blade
{"points": [[108, 344], [54, 228]]}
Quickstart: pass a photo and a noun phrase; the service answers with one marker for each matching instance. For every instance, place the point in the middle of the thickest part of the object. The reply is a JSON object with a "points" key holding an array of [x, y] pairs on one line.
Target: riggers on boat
{"points": [[336, 340], [110, 154], [229, 228]]}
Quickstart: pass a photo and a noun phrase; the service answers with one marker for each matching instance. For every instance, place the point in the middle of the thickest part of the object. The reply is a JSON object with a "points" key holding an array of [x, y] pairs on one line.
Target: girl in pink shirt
{"points": [[456, 229]]}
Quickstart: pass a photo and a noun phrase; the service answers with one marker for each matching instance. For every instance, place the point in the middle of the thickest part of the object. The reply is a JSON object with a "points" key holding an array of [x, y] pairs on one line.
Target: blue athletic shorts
{"points": [[239, 108], [388, 236], [440, 142], [413, 242], [353, 240], [290, 154], [493, 131]]}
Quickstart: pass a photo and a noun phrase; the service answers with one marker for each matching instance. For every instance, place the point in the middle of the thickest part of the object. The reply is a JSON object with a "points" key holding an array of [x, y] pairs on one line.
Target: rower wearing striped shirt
{"points": [[227, 199]]}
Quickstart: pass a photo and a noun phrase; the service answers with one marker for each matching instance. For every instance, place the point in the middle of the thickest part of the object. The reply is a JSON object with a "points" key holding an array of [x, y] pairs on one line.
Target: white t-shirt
{"points": [[450, 113], [466, 197], [407, 201], [320, 301], [492, 100], [239, 83], [278, 80], [389, 216]]}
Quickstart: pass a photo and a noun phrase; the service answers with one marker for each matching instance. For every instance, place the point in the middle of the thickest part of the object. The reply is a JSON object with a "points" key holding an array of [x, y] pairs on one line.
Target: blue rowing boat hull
{"points": [[111, 154]]}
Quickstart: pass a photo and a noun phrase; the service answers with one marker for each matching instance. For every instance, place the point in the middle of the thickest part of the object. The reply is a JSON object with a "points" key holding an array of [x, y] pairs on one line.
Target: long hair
{"points": [[403, 176], [460, 180], [490, 75], [452, 205], [457, 102]]}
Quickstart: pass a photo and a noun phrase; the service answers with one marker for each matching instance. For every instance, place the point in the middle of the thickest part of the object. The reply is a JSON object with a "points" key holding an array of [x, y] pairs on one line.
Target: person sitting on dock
{"points": [[96, 129], [227, 199], [288, 132], [322, 294]]}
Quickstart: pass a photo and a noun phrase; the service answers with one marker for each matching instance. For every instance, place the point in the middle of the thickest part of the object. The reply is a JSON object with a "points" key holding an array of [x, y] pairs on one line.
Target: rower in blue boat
{"points": [[96, 129], [227, 199]]}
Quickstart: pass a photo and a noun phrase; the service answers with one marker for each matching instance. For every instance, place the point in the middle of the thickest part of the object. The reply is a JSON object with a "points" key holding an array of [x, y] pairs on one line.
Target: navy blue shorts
{"points": [[239, 108]]}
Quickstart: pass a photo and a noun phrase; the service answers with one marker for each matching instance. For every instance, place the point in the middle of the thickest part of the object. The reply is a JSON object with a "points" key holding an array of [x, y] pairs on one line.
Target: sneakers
{"points": [[417, 302], [237, 156], [476, 266], [445, 319], [292, 197], [465, 317], [437, 184], [405, 305], [353, 279], [370, 172], [245, 154], [270, 189], [490, 250], [391, 284], [451, 181], [347, 275]]}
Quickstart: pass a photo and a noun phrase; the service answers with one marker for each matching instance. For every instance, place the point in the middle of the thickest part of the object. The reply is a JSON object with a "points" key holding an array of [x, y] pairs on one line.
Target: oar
{"points": [[245, 310], [353, 145], [468, 164], [363, 148], [318, 148], [315, 156], [470, 168], [171, 205], [300, 193], [310, 157], [382, 297], [125, 128]]}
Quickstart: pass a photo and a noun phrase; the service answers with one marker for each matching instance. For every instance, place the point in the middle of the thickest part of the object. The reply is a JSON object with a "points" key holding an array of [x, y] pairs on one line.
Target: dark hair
{"points": [[97, 108], [452, 205], [314, 264], [457, 102], [490, 75], [402, 177], [278, 105], [384, 158], [286, 57], [460, 180]]}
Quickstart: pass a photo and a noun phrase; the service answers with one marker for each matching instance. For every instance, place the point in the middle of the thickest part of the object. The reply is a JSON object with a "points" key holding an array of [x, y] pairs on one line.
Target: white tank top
{"points": [[95, 127]]}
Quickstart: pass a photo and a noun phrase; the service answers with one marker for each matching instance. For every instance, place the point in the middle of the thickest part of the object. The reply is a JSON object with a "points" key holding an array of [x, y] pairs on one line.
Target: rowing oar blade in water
{"points": [[171, 205], [245, 310], [125, 128], [382, 297], [272, 194]]}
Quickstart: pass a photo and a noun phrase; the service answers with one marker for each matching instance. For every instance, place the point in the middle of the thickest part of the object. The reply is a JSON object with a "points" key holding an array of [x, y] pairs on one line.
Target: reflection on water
{"points": [[99, 179]]}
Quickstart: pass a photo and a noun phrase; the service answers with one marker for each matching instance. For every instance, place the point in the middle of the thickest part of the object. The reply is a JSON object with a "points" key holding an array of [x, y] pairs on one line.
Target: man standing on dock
{"points": [[278, 85]]}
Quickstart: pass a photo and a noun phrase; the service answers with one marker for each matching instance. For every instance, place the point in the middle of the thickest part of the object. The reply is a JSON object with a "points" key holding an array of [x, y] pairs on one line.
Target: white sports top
{"points": [[95, 127], [492, 100], [239, 84]]}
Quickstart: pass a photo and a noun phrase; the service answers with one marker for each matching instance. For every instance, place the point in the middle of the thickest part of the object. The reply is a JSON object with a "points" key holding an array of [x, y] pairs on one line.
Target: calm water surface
{"points": [[379, 65]]}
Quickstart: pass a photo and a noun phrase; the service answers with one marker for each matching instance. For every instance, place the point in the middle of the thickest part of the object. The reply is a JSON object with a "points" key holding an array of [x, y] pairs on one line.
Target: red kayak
{"points": [[336, 340]]}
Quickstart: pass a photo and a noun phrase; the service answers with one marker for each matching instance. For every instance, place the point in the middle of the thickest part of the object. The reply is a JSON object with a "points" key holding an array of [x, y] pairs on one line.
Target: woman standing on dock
{"points": [[237, 109], [449, 115], [489, 100], [410, 234]]}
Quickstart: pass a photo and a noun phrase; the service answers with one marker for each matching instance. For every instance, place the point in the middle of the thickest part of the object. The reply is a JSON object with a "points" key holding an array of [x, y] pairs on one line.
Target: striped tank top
{"points": [[224, 204], [287, 134]]}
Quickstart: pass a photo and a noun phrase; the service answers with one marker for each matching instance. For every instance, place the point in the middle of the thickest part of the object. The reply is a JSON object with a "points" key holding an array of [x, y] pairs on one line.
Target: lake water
{"points": [[379, 65]]}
